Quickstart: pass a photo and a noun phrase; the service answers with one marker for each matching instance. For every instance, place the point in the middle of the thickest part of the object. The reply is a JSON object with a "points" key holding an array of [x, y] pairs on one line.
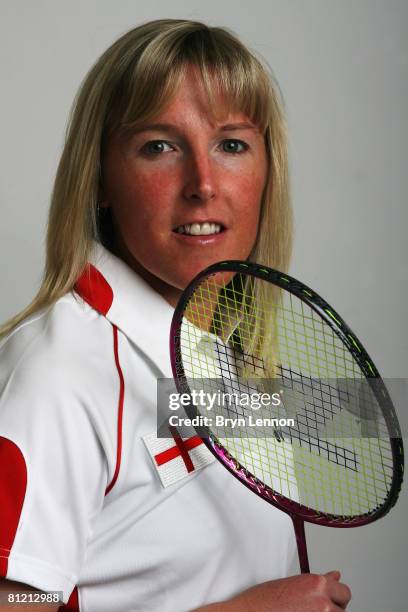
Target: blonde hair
{"points": [[131, 83]]}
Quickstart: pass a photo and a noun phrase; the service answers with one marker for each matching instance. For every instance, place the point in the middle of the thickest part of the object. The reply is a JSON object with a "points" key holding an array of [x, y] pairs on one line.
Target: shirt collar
{"points": [[112, 288]]}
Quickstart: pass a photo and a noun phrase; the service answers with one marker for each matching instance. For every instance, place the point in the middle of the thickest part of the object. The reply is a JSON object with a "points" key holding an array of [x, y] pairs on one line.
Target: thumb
{"points": [[334, 574]]}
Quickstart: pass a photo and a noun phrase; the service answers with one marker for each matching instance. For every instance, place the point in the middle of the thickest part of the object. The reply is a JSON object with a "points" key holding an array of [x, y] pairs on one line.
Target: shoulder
{"points": [[58, 379], [60, 339], [59, 366]]}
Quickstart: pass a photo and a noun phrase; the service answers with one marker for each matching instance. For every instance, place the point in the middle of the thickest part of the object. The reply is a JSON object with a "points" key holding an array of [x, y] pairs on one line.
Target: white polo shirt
{"points": [[82, 506]]}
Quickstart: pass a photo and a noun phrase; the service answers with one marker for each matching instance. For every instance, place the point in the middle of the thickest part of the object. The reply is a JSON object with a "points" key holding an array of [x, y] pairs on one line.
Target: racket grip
{"points": [[299, 527]]}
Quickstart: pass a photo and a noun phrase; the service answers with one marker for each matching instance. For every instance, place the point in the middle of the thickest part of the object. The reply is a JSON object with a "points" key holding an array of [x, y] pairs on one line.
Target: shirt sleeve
{"points": [[53, 468]]}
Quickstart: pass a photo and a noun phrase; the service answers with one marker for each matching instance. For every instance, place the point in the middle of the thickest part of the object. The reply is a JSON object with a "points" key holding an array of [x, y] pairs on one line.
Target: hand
{"points": [[303, 593]]}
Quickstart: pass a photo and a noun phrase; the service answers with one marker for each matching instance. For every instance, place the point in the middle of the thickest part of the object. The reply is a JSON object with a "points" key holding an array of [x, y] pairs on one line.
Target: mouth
{"points": [[206, 228]]}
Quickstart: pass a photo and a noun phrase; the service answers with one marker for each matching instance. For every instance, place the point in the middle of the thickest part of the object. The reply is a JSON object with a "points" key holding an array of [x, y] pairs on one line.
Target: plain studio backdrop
{"points": [[343, 70]]}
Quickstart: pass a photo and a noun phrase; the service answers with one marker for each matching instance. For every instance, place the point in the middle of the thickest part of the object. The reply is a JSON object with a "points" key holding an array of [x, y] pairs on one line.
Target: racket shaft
{"points": [[299, 526]]}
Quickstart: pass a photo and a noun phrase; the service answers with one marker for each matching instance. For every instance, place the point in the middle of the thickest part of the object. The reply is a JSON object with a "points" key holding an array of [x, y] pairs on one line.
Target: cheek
{"points": [[154, 182], [144, 196], [248, 190]]}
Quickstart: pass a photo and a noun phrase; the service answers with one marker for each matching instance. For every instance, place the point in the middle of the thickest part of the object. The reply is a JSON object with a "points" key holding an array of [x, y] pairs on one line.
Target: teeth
{"points": [[199, 229]]}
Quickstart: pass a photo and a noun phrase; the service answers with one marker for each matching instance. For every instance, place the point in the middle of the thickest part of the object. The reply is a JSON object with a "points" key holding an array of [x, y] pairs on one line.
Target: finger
{"points": [[335, 574], [340, 594]]}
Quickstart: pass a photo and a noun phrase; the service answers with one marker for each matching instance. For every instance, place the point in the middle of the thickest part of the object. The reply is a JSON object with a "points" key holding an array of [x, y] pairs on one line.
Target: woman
{"points": [[175, 158]]}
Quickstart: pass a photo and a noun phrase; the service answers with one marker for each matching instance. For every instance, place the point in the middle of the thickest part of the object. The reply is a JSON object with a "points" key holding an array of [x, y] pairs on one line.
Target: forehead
{"points": [[188, 94], [190, 101]]}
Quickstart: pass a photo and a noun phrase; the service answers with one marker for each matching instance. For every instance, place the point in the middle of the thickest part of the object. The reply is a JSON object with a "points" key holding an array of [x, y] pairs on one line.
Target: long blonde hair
{"points": [[130, 83]]}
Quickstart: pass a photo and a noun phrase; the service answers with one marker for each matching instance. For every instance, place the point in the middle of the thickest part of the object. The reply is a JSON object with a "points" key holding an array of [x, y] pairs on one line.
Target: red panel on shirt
{"points": [[95, 289], [13, 484], [73, 603]]}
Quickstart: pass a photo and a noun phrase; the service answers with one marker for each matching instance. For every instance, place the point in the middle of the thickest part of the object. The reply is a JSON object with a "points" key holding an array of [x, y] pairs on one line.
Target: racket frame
{"points": [[298, 512]]}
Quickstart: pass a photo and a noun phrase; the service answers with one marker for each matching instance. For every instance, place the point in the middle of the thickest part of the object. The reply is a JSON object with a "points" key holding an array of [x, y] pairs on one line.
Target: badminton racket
{"points": [[327, 448]]}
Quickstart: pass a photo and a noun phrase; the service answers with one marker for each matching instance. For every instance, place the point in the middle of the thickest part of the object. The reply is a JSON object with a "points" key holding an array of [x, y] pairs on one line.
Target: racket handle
{"points": [[299, 526]]}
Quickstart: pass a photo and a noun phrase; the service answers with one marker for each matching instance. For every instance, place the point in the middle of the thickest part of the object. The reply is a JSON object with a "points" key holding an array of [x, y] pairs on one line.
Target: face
{"points": [[185, 190]]}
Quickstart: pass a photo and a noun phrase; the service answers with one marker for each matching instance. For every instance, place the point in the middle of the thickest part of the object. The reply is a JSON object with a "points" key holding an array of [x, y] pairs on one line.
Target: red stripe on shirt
{"points": [[13, 485], [95, 289], [120, 409]]}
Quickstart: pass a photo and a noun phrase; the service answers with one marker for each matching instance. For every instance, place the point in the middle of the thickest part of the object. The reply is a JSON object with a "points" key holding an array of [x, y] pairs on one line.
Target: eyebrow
{"points": [[238, 126], [169, 127]]}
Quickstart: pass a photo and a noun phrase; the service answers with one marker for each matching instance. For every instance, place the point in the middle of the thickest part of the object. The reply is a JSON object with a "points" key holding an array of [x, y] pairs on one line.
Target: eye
{"points": [[155, 147], [234, 146]]}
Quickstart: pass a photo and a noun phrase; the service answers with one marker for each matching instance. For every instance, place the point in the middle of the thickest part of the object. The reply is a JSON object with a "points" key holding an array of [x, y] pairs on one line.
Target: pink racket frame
{"points": [[298, 512]]}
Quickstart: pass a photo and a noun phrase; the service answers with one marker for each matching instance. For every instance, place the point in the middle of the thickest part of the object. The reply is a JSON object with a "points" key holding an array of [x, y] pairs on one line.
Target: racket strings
{"points": [[336, 458]]}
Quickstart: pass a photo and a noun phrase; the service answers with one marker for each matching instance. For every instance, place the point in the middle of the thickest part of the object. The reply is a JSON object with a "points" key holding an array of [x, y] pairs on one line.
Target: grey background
{"points": [[343, 68]]}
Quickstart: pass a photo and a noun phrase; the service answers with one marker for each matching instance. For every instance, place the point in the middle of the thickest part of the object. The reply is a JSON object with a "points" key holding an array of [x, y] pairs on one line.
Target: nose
{"points": [[199, 184]]}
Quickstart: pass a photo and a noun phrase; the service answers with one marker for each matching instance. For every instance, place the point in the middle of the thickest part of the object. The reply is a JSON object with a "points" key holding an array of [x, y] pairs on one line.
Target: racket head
{"points": [[221, 274]]}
